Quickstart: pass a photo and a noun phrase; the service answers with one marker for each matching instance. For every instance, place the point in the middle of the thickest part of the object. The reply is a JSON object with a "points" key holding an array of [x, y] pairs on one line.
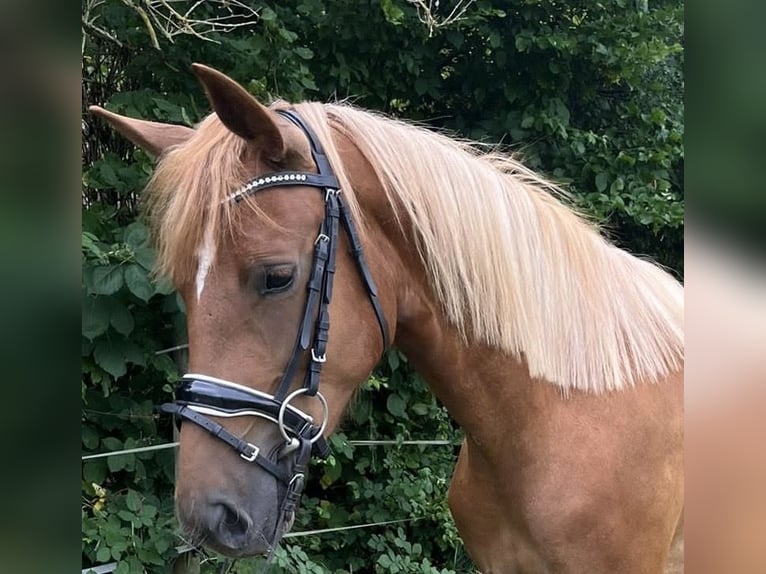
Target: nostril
{"points": [[230, 524], [230, 515]]}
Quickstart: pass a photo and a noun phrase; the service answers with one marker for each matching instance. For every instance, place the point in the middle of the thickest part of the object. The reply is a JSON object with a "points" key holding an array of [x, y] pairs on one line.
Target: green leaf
{"points": [[136, 234], [121, 319], [109, 358], [420, 409], [601, 181], [145, 257], [332, 473], [111, 443], [164, 286], [116, 463], [148, 511], [165, 365], [94, 471], [392, 12], [95, 317], [162, 545], [89, 437], [133, 500], [108, 175], [396, 405], [90, 244], [126, 515], [118, 547], [308, 83], [304, 53], [268, 15], [103, 554], [107, 280], [132, 352], [393, 359], [138, 282]]}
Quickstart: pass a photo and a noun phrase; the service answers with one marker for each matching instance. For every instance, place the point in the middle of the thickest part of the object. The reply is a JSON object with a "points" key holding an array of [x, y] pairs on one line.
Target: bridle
{"points": [[199, 396]]}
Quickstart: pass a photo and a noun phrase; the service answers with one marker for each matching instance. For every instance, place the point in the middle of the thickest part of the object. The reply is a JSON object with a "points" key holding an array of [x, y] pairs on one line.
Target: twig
{"points": [[171, 18], [426, 9]]}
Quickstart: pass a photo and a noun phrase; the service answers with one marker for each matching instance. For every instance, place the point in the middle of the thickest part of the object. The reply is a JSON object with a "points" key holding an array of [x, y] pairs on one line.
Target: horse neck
{"points": [[471, 380], [478, 385]]}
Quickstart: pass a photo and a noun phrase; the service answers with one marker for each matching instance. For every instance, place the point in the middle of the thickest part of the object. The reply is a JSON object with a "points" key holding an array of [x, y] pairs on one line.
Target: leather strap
{"points": [[295, 486], [245, 449], [364, 270]]}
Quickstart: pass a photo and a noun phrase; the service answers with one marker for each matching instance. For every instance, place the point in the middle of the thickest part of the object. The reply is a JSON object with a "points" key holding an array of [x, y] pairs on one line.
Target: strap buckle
{"points": [[318, 358], [254, 450], [321, 237]]}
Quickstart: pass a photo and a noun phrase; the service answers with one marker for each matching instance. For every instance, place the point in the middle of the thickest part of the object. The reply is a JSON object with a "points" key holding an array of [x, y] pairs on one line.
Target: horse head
{"points": [[259, 235]]}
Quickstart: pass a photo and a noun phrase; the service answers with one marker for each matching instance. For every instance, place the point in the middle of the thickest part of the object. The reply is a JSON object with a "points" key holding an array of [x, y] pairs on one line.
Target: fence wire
{"points": [[389, 442], [112, 566]]}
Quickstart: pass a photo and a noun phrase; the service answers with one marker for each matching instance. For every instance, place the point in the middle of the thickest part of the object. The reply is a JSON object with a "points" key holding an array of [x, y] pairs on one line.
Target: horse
{"points": [[306, 239]]}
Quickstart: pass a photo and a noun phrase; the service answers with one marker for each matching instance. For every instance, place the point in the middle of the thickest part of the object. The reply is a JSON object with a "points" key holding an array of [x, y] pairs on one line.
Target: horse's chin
{"points": [[254, 550], [254, 541], [260, 545]]}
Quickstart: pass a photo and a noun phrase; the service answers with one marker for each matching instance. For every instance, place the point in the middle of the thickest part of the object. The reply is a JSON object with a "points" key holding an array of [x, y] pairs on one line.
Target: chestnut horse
{"points": [[560, 355]]}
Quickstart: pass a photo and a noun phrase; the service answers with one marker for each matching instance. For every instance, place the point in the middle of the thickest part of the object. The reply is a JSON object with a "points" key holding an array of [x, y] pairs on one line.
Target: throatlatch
{"points": [[199, 396]]}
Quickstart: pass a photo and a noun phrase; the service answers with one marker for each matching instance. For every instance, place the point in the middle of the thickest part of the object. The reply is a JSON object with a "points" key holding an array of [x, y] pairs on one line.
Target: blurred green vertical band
{"points": [[726, 109]]}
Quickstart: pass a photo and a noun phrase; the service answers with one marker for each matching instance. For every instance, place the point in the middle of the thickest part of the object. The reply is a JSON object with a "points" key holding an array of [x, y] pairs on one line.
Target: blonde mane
{"points": [[512, 266], [184, 199]]}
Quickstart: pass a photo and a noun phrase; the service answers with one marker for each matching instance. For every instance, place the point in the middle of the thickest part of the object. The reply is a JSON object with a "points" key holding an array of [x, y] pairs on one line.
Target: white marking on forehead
{"points": [[206, 254]]}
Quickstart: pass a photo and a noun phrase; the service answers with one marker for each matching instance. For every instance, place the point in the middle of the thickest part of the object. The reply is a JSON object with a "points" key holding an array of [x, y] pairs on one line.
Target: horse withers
{"points": [[307, 238]]}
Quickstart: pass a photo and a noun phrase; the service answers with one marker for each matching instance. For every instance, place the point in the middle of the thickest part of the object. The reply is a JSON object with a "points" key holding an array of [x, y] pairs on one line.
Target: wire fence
{"points": [[168, 445], [112, 566]]}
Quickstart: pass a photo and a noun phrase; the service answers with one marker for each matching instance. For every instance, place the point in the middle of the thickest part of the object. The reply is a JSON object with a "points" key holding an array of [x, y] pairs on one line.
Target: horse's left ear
{"points": [[241, 112], [152, 137]]}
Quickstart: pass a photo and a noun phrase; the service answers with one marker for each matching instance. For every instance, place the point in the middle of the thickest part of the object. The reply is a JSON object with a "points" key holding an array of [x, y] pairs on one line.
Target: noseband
{"points": [[199, 396]]}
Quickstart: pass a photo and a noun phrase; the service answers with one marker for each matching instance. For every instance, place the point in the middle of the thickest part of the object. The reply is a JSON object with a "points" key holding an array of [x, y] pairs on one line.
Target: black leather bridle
{"points": [[199, 396]]}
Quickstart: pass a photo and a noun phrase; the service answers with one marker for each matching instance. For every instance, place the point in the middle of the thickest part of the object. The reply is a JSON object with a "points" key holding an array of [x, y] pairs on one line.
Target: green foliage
{"points": [[132, 529], [589, 94], [126, 318]]}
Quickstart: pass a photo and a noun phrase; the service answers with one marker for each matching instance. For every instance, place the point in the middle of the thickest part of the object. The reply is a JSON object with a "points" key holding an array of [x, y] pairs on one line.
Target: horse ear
{"points": [[152, 137], [240, 112]]}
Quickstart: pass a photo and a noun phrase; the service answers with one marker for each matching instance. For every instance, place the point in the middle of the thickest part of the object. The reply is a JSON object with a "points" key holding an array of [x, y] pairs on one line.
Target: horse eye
{"points": [[278, 278]]}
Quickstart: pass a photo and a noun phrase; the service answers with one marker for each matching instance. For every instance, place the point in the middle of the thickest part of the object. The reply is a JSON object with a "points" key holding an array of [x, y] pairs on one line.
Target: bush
{"points": [[589, 94]]}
